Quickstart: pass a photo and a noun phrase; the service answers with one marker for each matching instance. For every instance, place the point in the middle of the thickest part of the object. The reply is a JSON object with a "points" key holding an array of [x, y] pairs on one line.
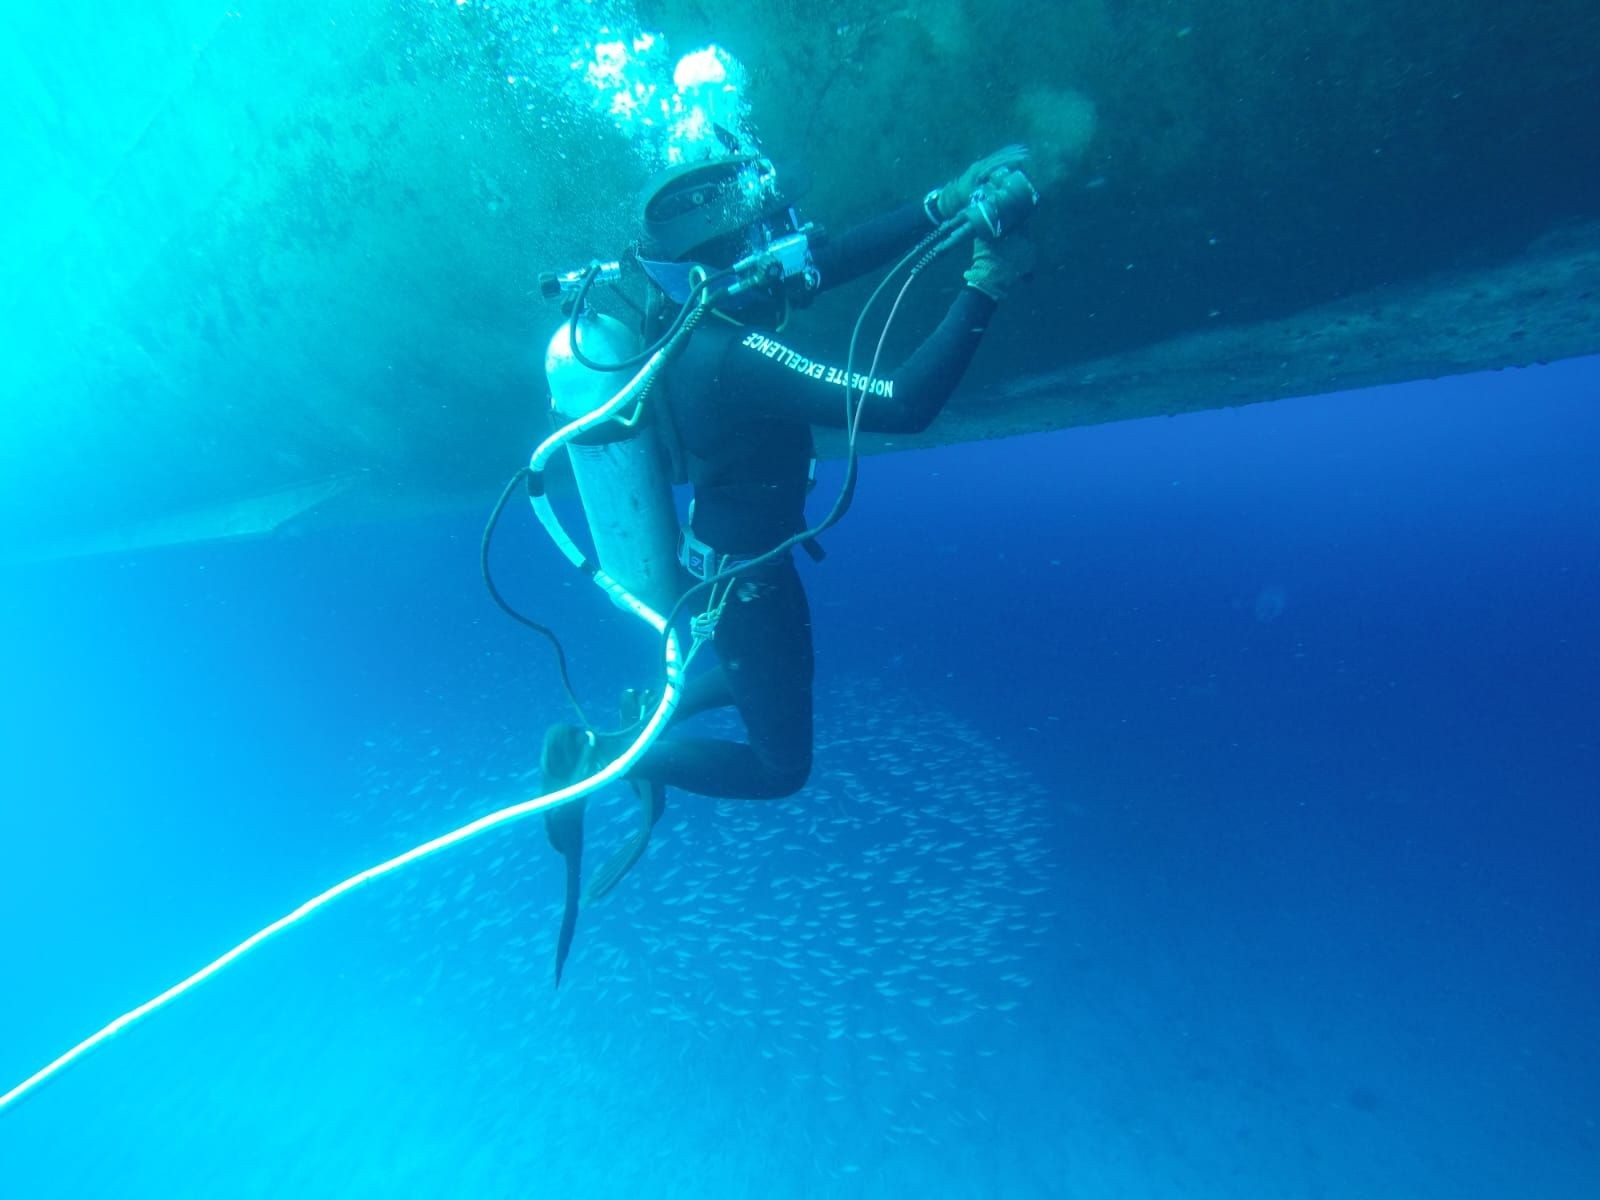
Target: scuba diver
{"points": [[739, 401]]}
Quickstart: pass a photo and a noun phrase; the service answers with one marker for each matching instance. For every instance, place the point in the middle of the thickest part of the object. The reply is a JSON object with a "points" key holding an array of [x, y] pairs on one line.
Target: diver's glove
{"points": [[997, 265], [945, 202]]}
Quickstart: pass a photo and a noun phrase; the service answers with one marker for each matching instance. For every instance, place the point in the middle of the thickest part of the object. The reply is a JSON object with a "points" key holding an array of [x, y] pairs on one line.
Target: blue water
{"points": [[1204, 808]]}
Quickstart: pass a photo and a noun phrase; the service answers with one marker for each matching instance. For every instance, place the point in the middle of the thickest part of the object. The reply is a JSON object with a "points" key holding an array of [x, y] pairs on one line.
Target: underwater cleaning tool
{"points": [[675, 664], [999, 205], [1002, 202]]}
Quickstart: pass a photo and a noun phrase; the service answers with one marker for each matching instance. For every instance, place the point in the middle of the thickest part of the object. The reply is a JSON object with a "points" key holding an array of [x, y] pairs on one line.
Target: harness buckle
{"points": [[701, 560]]}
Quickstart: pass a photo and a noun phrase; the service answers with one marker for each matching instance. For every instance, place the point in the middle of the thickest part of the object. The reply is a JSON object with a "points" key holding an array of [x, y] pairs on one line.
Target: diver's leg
{"points": [[703, 692], [706, 691], [652, 796], [763, 642], [767, 654]]}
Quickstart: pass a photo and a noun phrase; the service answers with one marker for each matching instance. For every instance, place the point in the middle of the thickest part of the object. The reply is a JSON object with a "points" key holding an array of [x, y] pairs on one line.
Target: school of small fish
{"points": [[855, 942]]}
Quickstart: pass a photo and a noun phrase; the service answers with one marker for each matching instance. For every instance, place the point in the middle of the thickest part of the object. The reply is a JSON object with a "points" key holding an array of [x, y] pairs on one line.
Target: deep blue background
{"points": [[1313, 682]]}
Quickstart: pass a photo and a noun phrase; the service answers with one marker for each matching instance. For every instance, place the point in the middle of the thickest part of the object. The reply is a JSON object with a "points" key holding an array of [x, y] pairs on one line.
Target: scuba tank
{"points": [[621, 466]]}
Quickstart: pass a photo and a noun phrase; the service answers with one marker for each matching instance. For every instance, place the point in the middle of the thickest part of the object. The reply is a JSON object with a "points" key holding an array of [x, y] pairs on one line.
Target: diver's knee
{"points": [[790, 777]]}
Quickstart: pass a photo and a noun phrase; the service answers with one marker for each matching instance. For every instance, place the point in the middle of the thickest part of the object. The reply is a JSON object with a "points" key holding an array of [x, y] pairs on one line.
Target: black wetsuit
{"points": [[744, 400]]}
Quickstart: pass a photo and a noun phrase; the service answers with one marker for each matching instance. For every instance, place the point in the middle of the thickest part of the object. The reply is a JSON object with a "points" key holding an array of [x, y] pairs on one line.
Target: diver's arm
{"points": [[881, 240], [762, 376], [871, 244]]}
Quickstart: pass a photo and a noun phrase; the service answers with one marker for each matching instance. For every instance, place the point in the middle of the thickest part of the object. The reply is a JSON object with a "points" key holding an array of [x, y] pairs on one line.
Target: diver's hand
{"points": [[998, 265], [944, 203]]}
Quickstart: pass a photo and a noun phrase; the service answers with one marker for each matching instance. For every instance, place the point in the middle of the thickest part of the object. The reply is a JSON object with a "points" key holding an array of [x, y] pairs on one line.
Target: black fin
{"points": [[564, 828], [652, 803]]}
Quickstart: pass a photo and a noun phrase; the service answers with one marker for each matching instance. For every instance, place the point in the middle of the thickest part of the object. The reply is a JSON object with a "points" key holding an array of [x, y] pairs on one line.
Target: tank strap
{"points": [[666, 422], [702, 561]]}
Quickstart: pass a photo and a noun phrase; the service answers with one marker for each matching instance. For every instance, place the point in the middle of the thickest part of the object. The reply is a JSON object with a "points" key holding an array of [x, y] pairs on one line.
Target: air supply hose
{"points": [[674, 661], [675, 664]]}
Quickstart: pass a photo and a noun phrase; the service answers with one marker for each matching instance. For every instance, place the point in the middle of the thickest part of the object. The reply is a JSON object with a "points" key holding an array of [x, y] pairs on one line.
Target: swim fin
{"points": [[565, 758], [652, 803], [633, 708]]}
